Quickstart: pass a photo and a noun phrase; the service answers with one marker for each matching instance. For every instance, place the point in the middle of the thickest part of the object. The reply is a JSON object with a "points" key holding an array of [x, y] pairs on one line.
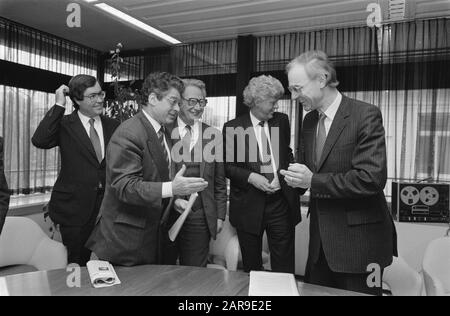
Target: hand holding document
{"points": [[175, 229], [272, 284], [102, 274]]}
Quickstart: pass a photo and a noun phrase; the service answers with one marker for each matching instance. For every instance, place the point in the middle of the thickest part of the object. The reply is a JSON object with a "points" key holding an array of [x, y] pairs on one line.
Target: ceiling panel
{"points": [[201, 20]]}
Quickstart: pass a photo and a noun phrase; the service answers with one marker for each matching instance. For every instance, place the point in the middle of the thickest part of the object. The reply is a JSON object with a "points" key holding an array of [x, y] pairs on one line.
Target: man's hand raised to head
{"points": [[60, 95], [187, 186]]}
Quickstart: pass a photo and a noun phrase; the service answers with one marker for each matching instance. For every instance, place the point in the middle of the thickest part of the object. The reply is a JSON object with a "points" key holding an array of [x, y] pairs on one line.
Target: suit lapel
{"points": [[82, 137], [108, 130], [154, 148], [339, 124]]}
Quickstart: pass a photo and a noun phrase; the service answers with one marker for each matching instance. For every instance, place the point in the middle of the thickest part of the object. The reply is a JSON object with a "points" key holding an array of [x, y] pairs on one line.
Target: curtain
{"points": [[29, 47], [28, 169]]}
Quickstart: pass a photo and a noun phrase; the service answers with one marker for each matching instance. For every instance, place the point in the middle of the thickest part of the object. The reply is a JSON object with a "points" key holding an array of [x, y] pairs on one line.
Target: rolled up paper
{"points": [[175, 229]]}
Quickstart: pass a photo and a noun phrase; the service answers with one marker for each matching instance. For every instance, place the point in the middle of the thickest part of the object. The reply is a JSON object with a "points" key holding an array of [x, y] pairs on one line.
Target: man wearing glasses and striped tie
{"points": [[82, 138], [210, 208]]}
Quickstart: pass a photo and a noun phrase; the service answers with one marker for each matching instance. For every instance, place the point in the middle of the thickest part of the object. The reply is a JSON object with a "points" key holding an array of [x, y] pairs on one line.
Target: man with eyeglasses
{"points": [[82, 137], [141, 181], [343, 164], [209, 211]]}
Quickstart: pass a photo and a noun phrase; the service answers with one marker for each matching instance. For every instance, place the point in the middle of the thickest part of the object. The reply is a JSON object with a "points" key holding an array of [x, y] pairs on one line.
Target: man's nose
{"points": [[177, 107], [295, 95]]}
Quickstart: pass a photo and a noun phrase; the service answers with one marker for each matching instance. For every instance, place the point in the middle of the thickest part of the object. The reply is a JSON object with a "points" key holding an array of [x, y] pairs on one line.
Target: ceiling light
{"points": [[141, 25]]}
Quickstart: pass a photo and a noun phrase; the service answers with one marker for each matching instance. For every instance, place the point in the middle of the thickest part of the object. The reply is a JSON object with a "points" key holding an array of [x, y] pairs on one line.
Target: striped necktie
{"points": [[95, 140], [321, 137], [266, 158], [161, 136]]}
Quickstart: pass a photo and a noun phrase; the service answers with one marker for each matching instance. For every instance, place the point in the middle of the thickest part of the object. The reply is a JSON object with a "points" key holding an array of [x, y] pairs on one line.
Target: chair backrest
{"points": [[23, 242], [226, 246], [436, 267], [402, 279]]}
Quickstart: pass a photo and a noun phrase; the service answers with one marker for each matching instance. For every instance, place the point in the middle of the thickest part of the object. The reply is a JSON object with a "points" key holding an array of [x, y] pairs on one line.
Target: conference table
{"points": [[148, 280]]}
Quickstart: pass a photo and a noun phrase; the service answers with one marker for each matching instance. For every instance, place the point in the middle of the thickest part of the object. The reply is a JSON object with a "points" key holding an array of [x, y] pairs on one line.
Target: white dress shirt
{"points": [[330, 113], [166, 186], [97, 126], [195, 132], [258, 130]]}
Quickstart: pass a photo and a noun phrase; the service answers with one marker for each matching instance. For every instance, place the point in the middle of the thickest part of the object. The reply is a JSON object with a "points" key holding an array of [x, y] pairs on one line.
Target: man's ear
{"points": [[152, 98], [323, 79]]}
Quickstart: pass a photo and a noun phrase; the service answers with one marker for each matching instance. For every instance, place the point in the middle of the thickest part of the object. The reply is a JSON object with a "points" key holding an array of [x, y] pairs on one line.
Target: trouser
{"points": [[193, 241], [319, 273], [75, 237], [280, 236]]}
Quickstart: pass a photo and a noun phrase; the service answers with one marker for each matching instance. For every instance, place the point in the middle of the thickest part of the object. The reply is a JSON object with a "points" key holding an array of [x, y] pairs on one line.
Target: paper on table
{"points": [[102, 274], [175, 229], [272, 284]]}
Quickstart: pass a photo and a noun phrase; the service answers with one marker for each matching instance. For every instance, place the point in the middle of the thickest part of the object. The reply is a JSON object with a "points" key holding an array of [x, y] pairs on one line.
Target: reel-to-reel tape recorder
{"points": [[421, 202]]}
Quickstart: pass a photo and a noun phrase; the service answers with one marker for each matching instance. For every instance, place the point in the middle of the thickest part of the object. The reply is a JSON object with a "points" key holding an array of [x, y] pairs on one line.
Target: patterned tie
{"points": [[267, 154], [321, 137], [95, 140], [161, 135], [187, 138]]}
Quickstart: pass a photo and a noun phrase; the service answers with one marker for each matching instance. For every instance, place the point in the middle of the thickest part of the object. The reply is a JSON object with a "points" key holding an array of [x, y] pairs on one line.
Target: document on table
{"points": [[175, 229], [102, 274], [272, 284]]}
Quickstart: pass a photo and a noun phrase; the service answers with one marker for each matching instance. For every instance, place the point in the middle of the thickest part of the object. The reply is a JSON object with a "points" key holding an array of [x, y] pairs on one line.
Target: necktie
{"points": [[266, 158], [161, 134], [321, 137], [187, 138], [95, 141]]}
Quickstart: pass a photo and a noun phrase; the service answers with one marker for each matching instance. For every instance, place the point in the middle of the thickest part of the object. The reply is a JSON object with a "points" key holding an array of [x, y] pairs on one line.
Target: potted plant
{"points": [[126, 101]]}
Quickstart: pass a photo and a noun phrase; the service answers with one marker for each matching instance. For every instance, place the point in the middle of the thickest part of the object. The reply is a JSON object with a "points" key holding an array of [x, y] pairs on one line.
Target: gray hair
{"points": [[262, 87], [316, 63], [195, 83]]}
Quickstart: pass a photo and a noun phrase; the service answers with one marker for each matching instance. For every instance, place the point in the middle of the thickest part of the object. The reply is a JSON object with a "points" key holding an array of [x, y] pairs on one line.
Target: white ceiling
{"points": [[200, 20]]}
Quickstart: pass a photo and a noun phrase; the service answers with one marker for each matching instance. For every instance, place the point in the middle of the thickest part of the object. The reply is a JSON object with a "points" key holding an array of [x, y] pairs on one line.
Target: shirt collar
{"points": [[255, 121], [154, 123], [85, 119], [182, 125], [334, 107]]}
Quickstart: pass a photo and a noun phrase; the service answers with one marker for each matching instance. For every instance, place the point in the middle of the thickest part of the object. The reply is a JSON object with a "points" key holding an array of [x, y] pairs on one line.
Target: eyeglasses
{"points": [[193, 102], [94, 96], [173, 101]]}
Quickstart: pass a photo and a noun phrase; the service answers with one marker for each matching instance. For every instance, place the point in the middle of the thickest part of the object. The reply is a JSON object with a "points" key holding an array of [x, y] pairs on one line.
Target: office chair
{"points": [[402, 280], [225, 251], [23, 242], [436, 267]]}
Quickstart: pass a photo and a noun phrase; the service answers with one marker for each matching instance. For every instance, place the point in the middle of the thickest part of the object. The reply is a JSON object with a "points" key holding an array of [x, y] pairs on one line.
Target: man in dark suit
{"points": [[193, 138], [4, 191], [132, 228], [343, 163], [256, 148], [82, 137]]}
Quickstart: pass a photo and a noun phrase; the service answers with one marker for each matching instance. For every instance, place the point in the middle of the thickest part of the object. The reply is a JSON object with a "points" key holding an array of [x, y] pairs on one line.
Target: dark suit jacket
{"points": [[4, 191], [73, 196], [348, 208], [128, 231], [214, 197], [246, 202]]}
